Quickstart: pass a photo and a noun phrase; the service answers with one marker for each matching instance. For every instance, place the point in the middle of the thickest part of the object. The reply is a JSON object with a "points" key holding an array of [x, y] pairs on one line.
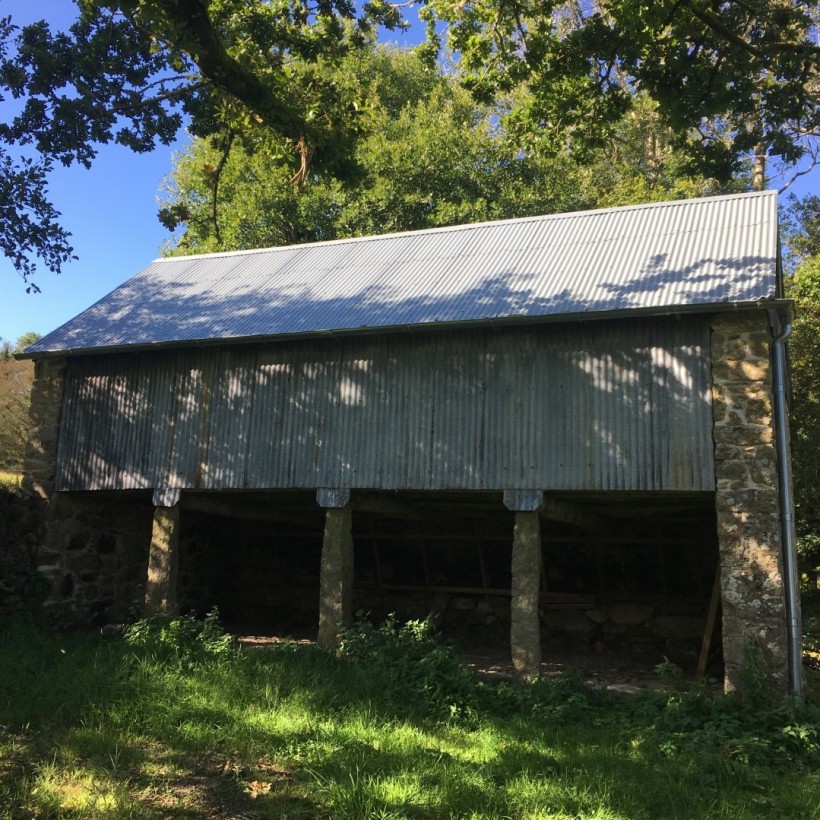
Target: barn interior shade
{"points": [[648, 258]]}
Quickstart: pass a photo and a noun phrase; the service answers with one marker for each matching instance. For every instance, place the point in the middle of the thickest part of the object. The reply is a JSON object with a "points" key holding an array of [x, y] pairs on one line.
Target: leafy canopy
{"points": [[804, 348], [133, 72], [727, 79], [428, 155]]}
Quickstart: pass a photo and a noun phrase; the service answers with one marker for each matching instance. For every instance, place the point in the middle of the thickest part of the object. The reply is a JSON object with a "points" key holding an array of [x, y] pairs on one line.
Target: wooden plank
{"points": [[480, 548], [710, 626], [569, 599]]}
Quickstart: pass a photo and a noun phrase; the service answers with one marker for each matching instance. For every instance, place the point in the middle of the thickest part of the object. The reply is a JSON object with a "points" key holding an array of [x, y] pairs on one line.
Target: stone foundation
{"points": [[746, 499]]}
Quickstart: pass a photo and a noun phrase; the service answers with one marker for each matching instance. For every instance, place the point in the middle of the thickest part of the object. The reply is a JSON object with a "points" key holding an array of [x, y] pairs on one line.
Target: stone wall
{"points": [[655, 630], [77, 560], [746, 498], [21, 533], [94, 558]]}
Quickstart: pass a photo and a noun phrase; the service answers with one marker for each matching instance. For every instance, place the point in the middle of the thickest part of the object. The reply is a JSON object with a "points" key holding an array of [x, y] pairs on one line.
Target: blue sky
{"points": [[110, 211]]}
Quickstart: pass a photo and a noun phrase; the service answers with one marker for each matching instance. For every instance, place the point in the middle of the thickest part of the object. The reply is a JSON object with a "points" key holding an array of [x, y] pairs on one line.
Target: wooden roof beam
{"points": [[567, 512]]}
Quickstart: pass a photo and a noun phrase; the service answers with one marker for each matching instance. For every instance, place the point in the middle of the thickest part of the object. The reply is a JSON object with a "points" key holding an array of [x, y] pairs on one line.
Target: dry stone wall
{"points": [[746, 498], [94, 558]]}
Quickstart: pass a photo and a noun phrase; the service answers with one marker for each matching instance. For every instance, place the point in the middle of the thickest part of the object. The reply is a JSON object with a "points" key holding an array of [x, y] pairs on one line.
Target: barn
{"points": [[554, 430]]}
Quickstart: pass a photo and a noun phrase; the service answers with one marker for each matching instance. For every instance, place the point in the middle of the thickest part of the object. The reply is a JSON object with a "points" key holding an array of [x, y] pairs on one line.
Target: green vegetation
{"points": [[173, 720], [9, 479], [427, 154], [15, 390], [731, 83], [803, 242]]}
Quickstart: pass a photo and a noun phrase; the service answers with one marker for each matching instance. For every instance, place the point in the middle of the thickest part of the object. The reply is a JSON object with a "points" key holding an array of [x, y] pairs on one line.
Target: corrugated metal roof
{"points": [[682, 254]]}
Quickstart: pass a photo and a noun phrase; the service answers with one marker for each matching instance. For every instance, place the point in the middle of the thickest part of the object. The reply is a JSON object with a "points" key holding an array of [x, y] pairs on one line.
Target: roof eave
{"points": [[785, 306]]}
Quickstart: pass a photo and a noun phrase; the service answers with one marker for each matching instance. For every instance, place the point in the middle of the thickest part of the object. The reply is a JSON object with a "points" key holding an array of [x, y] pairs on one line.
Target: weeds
{"points": [[413, 663], [184, 639], [778, 733], [9, 479], [171, 720]]}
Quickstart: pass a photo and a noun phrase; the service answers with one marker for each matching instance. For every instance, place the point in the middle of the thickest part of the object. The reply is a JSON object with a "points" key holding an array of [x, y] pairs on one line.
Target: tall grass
{"points": [[175, 724]]}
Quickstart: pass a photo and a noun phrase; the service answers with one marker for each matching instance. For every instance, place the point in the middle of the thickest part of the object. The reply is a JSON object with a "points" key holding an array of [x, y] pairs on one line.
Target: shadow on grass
{"points": [[91, 728]]}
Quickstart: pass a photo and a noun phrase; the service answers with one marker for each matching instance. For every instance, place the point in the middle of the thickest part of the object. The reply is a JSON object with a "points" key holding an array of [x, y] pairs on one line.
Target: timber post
{"points": [[525, 628], [163, 555], [336, 572]]}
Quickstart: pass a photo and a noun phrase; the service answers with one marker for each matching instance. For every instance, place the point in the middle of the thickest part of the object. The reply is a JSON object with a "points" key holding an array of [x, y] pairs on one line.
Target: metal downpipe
{"points": [[790, 584]]}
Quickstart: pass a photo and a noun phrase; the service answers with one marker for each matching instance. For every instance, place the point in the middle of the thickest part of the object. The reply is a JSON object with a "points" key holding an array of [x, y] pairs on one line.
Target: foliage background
{"points": [[16, 378]]}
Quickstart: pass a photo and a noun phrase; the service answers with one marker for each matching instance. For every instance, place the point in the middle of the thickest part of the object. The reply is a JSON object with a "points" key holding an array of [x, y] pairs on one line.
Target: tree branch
{"points": [[204, 45], [226, 152], [719, 27]]}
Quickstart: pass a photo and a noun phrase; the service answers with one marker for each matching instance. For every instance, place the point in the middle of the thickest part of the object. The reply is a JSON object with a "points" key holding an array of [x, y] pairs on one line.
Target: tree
{"points": [[429, 155], [731, 79], [26, 340], [803, 236], [725, 78], [15, 390], [133, 71]]}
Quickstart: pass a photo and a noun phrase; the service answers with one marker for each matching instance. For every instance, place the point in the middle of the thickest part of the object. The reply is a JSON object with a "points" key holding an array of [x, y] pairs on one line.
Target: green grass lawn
{"points": [[175, 722]]}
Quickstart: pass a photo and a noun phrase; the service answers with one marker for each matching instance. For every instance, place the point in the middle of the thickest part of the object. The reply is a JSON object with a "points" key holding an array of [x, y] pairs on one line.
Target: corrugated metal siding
{"points": [[670, 254], [618, 405]]}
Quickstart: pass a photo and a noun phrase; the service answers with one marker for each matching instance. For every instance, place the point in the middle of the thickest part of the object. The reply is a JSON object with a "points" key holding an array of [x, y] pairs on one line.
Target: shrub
{"points": [[414, 662], [185, 639], [747, 731]]}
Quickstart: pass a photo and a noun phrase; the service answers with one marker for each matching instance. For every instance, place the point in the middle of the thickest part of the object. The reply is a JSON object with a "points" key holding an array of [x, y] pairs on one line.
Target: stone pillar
{"points": [[46, 407], [525, 628], [747, 502], [336, 572], [163, 558]]}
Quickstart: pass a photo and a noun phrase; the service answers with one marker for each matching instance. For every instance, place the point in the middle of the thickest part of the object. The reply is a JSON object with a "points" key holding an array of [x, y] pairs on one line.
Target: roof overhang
{"points": [[783, 307]]}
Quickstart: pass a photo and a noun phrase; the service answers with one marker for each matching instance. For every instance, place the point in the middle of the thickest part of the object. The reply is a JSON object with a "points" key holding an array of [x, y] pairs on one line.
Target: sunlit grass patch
{"points": [[10, 479], [60, 790]]}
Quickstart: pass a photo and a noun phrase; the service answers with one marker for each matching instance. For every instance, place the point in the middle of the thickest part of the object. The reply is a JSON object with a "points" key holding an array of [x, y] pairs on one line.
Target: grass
{"points": [[172, 724], [9, 479]]}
